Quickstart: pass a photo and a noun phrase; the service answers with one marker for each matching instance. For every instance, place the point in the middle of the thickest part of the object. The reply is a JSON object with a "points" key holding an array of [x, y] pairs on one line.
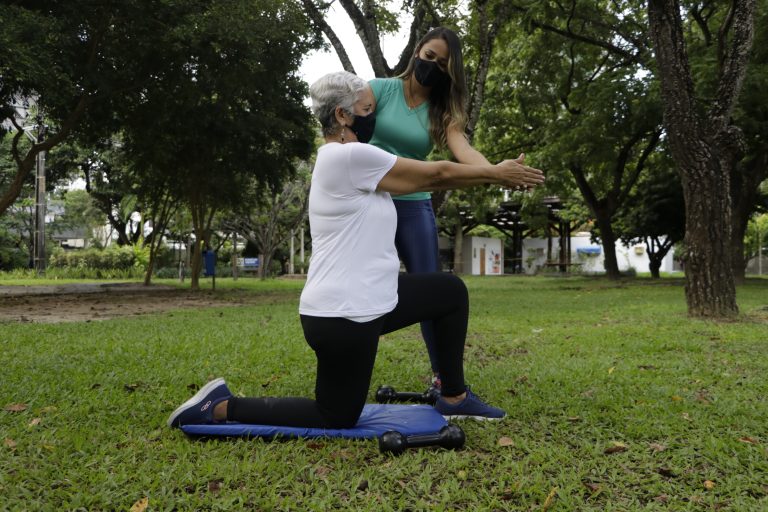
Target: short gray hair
{"points": [[338, 89]]}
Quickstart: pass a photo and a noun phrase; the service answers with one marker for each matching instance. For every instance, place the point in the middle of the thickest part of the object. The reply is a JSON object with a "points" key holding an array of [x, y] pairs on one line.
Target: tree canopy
{"points": [[591, 117], [184, 101]]}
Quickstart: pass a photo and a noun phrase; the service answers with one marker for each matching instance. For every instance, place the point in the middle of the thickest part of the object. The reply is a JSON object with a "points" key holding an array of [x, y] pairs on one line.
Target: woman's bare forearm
{"points": [[454, 175]]}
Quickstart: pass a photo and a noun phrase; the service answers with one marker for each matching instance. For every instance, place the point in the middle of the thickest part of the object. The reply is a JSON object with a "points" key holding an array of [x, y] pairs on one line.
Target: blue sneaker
{"points": [[470, 407], [199, 409]]}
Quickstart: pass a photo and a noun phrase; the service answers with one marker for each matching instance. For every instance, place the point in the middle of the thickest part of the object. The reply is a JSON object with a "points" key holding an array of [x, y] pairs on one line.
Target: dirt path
{"points": [[90, 302]]}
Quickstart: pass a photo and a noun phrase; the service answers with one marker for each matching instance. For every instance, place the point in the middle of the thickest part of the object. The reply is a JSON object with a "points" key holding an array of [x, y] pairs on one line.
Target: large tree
{"points": [[20, 217], [72, 59], [654, 214], [751, 115], [705, 139], [113, 187], [226, 111], [706, 146], [271, 218], [591, 115]]}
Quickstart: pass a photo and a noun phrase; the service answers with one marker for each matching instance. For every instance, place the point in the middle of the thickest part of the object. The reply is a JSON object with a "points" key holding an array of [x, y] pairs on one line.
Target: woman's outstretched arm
{"points": [[408, 175]]}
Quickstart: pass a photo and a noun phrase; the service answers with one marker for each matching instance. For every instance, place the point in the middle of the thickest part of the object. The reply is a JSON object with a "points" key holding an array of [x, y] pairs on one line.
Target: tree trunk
{"points": [[458, 246], [161, 210], [263, 268], [196, 266], [710, 288], [608, 241], [320, 24], [738, 232], [196, 210], [368, 31], [656, 251], [705, 150], [654, 265], [486, 41], [14, 191], [150, 268], [656, 254], [745, 183]]}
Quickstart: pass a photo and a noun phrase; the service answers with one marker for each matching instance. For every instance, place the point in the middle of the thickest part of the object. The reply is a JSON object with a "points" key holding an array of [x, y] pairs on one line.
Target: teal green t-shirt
{"points": [[400, 130]]}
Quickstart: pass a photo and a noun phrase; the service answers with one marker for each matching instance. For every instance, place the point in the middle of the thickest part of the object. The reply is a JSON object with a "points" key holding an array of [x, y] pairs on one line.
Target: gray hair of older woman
{"points": [[338, 89]]}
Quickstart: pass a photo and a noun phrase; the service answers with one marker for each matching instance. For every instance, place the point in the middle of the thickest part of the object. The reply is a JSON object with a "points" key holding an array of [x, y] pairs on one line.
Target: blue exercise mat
{"points": [[374, 421]]}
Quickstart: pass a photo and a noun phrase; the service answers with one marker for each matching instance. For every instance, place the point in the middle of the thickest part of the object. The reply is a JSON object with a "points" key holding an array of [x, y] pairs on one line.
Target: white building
{"points": [[589, 258], [481, 256]]}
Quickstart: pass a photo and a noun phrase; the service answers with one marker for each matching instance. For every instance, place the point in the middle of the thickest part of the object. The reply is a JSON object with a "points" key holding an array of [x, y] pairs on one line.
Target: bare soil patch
{"points": [[92, 302]]}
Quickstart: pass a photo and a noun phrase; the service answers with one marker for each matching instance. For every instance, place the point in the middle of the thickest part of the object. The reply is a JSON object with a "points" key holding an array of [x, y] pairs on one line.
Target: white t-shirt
{"points": [[354, 265]]}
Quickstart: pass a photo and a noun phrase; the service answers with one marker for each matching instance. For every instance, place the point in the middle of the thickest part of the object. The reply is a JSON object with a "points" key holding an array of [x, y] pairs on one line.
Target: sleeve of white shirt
{"points": [[368, 165]]}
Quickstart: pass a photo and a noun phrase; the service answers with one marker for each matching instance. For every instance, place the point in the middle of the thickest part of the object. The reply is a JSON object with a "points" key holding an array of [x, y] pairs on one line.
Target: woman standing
{"points": [[423, 108], [354, 291]]}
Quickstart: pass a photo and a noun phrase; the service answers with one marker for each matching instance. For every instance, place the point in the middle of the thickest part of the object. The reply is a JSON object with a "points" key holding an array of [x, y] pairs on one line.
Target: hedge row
{"points": [[120, 258]]}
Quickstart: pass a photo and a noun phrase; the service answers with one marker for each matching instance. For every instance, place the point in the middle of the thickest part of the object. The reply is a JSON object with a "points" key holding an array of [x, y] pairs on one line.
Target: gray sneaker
{"points": [[470, 407]]}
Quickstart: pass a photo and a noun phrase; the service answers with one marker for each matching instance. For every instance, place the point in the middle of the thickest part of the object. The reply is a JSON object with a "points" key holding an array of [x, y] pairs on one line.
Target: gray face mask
{"points": [[428, 73]]}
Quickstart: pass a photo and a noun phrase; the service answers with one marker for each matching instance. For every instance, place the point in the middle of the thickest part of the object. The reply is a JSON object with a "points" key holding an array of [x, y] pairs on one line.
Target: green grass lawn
{"points": [[616, 401]]}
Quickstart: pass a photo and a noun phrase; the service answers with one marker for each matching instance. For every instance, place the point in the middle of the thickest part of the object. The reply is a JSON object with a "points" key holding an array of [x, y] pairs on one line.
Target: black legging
{"points": [[346, 352]]}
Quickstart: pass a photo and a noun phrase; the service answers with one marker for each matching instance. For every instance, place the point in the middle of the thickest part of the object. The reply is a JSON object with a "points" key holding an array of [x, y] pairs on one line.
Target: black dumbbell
{"points": [[387, 394], [450, 437]]}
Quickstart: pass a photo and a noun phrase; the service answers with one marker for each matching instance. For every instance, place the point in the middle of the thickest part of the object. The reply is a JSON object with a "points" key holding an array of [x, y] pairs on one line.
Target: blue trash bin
{"points": [[209, 263]]}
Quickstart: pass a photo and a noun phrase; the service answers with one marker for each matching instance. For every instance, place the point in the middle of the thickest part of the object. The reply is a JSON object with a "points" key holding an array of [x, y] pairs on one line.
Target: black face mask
{"points": [[363, 127], [428, 73]]}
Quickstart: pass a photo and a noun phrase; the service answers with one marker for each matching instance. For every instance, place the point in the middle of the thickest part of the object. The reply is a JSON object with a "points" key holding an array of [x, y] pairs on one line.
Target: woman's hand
{"points": [[515, 174]]}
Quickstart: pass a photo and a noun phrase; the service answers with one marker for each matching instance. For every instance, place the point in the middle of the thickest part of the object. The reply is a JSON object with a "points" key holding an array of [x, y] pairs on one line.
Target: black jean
{"points": [[346, 352]]}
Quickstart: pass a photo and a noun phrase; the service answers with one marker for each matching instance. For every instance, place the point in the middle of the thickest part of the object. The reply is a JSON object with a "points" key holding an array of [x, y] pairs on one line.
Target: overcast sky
{"points": [[318, 63]]}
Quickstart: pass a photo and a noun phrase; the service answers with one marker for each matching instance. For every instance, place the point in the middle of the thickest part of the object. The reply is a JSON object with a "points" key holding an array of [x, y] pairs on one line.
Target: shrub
{"points": [[93, 273], [170, 272], [12, 258], [630, 272], [111, 258], [166, 257]]}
